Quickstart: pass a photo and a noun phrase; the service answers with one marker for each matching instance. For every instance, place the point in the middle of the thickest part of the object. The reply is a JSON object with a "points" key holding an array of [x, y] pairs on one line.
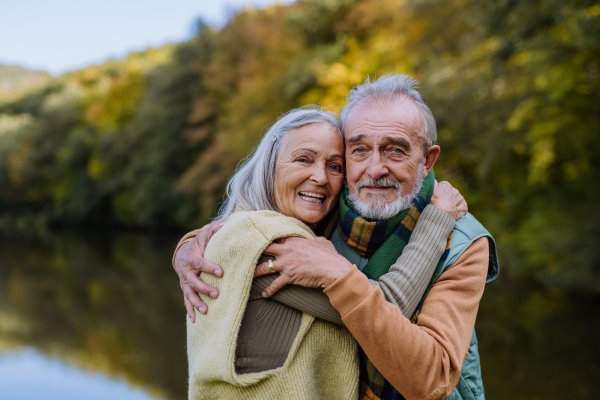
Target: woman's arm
{"points": [[403, 285], [406, 281], [399, 287], [309, 300]]}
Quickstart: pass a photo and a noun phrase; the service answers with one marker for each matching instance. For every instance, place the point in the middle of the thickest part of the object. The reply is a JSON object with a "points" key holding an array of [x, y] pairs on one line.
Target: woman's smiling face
{"points": [[310, 173]]}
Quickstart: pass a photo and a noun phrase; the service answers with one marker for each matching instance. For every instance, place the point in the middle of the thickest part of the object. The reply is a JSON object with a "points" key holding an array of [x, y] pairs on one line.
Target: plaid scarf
{"points": [[382, 242]]}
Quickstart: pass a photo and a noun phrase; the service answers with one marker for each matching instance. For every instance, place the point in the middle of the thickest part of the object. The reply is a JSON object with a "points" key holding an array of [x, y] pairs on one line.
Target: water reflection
{"points": [[111, 304], [538, 342], [104, 302], [26, 374]]}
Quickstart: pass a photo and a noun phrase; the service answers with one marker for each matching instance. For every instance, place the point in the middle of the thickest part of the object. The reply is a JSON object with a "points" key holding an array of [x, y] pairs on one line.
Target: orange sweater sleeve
{"points": [[421, 361]]}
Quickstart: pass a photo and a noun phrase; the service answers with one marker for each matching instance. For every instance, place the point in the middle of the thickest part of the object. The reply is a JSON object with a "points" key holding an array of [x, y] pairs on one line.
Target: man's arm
{"points": [[188, 262], [403, 285], [421, 361]]}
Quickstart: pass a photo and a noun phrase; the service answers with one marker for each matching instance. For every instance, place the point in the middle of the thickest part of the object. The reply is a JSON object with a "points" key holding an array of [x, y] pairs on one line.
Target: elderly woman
{"points": [[292, 345]]}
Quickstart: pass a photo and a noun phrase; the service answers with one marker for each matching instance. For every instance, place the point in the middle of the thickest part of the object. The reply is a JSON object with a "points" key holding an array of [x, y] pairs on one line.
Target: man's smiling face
{"points": [[384, 140]]}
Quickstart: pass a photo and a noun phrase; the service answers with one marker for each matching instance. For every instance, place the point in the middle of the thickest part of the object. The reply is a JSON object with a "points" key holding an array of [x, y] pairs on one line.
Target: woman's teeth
{"points": [[312, 197]]}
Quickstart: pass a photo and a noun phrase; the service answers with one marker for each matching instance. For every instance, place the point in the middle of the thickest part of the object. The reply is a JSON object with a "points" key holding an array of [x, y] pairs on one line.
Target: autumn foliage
{"points": [[149, 141]]}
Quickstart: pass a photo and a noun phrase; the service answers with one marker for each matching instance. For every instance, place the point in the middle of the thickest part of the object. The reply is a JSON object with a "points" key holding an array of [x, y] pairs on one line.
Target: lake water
{"points": [[100, 316]]}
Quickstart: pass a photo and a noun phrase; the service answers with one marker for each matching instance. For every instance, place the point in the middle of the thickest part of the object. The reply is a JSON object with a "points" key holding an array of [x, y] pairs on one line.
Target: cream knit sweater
{"points": [[323, 362]]}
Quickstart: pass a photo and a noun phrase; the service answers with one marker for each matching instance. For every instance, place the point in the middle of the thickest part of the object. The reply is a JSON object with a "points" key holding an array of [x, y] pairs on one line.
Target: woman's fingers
{"points": [[275, 286], [443, 198], [461, 205], [449, 199]]}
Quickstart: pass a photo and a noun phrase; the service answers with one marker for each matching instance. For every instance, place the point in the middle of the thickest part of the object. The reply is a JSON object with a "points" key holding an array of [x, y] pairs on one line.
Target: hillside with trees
{"points": [[16, 81], [149, 141]]}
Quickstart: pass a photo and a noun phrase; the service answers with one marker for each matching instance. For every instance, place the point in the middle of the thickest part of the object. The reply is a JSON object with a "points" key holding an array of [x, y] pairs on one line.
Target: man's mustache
{"points": [[385, 182]]}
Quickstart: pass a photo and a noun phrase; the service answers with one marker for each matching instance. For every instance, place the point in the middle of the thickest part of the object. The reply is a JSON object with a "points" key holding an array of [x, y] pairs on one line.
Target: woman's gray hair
{"points": [[388, 88], [252, 187]]}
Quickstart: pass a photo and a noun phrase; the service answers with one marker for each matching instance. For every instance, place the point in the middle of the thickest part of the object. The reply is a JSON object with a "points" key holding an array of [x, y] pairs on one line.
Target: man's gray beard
{"points": [[376, 208]]}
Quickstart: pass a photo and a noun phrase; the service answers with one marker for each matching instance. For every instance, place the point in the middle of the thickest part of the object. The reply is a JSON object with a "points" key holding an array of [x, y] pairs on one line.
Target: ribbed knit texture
{"points": [[322, 362], [406, 281], [266, 335], [312, 301]]}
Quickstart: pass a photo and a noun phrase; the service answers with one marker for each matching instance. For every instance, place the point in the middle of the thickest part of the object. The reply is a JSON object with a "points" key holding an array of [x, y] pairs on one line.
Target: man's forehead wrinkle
{"points": [[387, 128], [399, 115], [385, 124]]}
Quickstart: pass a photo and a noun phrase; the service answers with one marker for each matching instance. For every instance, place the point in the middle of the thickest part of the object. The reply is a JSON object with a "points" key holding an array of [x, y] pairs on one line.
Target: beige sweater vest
{"points": [[323, 362]]}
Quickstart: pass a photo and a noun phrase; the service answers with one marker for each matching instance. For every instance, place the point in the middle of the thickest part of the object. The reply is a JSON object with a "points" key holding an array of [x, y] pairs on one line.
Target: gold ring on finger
{"points": [[271, 268]]}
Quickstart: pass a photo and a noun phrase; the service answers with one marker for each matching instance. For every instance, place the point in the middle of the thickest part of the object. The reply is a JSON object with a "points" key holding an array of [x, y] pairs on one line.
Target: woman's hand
{"points": [[448, 199], [189, 262], [303, 262]]}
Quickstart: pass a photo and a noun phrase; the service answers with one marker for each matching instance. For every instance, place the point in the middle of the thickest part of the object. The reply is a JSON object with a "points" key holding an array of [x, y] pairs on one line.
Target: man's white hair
{"points": [[252, 187], [389, 88]]}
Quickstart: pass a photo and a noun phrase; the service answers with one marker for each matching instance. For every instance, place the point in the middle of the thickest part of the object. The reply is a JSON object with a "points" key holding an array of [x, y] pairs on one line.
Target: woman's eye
{"points": [[337, 168], [302, 160]]}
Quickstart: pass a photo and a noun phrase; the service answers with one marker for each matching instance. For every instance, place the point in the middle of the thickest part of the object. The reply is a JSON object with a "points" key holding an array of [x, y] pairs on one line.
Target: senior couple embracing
{"points": [[339, 268]]}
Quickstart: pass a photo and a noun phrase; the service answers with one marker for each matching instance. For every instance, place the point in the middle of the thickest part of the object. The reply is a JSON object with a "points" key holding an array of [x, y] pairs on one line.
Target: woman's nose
{"points": [[319, 175]]}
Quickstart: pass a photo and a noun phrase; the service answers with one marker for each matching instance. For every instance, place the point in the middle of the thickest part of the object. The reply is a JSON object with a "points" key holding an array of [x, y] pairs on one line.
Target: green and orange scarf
{"points": [[382, 242]]}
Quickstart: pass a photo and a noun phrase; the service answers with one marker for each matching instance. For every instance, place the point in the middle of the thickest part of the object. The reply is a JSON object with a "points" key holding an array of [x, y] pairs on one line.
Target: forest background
{"points": [[150, 141], [147, 143]]}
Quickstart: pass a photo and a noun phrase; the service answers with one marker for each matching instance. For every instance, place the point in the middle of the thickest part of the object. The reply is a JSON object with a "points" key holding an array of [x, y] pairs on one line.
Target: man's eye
{"points": [[359, 150], [397, 150]]}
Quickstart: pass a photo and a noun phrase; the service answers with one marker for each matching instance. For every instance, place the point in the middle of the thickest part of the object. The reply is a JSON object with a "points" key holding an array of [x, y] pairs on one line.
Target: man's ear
{"points": [[431, 157]]}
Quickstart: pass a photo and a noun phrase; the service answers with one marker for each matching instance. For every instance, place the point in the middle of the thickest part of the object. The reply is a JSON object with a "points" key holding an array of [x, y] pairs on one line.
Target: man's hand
{"points": [[448, 199], [304, 262], [189, 262]]}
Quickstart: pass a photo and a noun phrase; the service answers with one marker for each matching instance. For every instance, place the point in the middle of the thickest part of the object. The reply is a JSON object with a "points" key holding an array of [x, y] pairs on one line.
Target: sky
{"points": [[63, 35]]}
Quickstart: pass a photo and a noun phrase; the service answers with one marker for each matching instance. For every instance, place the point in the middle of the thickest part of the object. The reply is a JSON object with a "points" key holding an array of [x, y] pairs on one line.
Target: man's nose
{"points": [[377, 167]]}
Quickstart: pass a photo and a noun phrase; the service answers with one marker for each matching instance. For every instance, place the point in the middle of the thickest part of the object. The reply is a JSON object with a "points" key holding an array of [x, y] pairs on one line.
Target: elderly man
{"points": [[390, 139]]}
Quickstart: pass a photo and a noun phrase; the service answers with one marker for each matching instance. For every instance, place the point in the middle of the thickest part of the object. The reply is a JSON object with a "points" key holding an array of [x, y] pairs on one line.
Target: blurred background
{"points": [[119, 127]]}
